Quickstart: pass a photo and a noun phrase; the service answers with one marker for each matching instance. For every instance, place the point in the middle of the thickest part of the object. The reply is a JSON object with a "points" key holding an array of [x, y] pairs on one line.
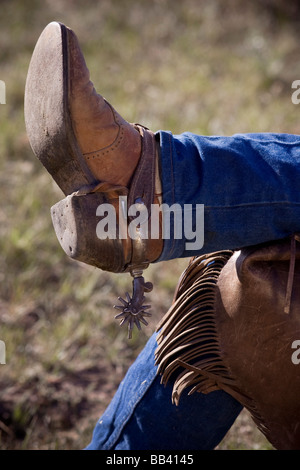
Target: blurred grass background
{"points": [[208, 67]]}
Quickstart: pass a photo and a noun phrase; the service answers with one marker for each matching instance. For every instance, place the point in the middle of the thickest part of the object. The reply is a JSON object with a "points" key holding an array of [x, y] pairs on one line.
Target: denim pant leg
{"points": [[249, 185], [141, 415]]}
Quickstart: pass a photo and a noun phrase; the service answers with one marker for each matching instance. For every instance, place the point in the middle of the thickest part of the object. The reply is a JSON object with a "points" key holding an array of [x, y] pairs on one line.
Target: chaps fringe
{"points": [[188, 347], [188, 341], [188, 351]]}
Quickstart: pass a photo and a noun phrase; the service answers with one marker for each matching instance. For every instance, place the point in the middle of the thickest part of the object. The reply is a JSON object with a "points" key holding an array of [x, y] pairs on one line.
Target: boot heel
{"points": [[75, 223]]}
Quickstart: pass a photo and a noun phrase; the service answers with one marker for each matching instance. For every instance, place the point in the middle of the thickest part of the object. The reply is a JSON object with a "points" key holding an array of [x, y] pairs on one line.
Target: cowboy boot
{"points": [[79, 137], [93, 154]]}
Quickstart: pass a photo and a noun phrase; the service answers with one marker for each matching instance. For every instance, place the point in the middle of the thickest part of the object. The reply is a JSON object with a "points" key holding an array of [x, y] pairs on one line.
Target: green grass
{"points": [[207, 67]]}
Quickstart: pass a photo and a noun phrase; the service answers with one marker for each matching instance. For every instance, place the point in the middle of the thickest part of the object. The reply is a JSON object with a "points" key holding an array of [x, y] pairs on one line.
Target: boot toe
{"points": [[47, 119]]}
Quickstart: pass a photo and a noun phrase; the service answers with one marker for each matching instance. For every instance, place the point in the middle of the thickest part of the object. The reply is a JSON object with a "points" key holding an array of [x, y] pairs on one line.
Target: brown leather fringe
{"points": [[188, 345]]}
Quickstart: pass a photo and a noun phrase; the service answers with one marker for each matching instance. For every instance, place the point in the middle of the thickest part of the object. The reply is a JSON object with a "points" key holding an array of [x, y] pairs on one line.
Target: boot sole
{"points": [[46, 111]]}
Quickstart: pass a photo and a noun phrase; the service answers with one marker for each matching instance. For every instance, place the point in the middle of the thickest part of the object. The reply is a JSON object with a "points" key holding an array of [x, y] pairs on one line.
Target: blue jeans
{"points": [[250, 187], [141, 415]]}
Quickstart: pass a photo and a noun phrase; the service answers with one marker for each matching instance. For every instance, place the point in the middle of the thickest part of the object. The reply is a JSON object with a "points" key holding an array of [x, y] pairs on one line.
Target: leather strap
{"points": [[142, 191], [143, 182]]}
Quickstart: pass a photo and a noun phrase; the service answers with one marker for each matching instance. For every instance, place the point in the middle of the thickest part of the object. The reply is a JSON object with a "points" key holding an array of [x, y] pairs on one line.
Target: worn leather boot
{"points": [[83, 142], [97, 159]]}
